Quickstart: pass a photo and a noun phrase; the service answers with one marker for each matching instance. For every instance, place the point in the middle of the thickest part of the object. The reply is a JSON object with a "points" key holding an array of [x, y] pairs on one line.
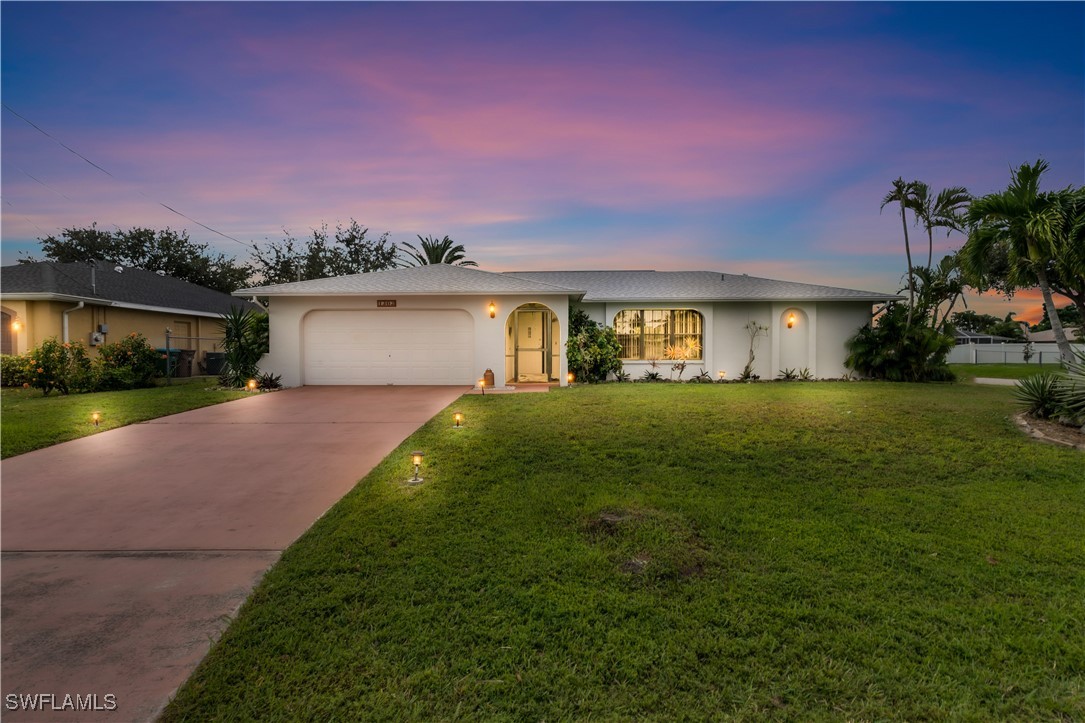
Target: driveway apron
{"points": [[124, 554]]}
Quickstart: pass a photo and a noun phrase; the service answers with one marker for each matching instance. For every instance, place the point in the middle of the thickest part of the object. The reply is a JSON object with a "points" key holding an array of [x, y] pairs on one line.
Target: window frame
{"points": [[641, 338]]}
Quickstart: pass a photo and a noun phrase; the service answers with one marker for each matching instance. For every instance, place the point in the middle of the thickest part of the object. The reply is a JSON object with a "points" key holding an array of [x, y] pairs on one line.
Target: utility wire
{"points": [[44, 184], [76, 153]]}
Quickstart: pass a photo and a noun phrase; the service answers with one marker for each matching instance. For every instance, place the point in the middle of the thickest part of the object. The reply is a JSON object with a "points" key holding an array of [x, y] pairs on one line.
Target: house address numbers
{"points": [[386, 303]]}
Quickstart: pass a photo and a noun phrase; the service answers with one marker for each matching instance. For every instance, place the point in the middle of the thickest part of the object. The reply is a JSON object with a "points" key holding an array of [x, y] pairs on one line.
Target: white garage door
{"points": [[394, 346]]}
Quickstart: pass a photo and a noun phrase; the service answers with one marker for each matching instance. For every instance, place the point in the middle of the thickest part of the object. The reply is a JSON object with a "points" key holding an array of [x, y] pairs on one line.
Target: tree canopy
{"points": [[349, 251], [433, 251], [167, 250]]}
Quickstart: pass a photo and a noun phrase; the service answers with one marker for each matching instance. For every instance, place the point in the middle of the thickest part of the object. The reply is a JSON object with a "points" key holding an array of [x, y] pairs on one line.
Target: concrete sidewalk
{"points": [[127, 552]]}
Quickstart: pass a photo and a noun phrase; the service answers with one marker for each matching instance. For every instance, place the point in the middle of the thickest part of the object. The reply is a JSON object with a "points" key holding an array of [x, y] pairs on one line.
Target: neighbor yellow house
{"points": [[103, 302]]}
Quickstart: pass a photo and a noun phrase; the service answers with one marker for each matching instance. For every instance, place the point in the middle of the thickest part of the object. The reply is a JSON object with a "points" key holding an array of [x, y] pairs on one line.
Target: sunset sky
{"points": [[750, 138]]}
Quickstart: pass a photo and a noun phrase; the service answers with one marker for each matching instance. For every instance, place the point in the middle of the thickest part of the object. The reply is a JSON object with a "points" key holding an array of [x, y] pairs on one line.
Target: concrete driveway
{"points": [[126, 553]]}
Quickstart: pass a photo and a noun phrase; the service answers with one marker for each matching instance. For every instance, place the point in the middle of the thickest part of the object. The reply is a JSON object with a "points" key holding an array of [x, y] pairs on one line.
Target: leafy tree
{"points": [[903, 195], [1068, 315], [350, 251], [941, 211], [593, 350], [969, 320], [1033, 229], [434, 251], [144, 248]]}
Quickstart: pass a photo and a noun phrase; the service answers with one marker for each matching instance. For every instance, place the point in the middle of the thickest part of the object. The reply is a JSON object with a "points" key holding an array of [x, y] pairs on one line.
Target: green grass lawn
{"points": [[31, 421], [837, 551], [968, 372]]}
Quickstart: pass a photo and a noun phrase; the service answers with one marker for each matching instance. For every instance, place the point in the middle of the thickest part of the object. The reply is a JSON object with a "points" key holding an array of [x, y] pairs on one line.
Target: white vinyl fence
{"points": [[1042, 353]]}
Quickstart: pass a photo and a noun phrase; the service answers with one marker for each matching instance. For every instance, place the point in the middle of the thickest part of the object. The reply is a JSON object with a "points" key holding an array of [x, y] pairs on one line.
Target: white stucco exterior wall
{"points": [[287, 323], [838, 322]]}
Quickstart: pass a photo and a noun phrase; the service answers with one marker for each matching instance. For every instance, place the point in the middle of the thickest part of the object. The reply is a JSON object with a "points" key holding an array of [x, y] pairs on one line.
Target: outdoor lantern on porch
{"points": [[457, 420], [493, 310], [791, 320], [16, 325], [96, 417], [416, 460], [251, 385]]}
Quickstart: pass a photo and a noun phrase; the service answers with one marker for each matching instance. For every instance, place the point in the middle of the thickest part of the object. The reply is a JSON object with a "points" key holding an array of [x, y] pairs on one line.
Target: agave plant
{"points": [[1039, 395]]}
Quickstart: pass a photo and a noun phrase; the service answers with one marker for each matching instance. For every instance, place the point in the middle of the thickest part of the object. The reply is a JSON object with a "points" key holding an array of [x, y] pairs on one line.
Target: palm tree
{"points": [[433, 251], [903, 193], [941, 211], [1030, 225]]}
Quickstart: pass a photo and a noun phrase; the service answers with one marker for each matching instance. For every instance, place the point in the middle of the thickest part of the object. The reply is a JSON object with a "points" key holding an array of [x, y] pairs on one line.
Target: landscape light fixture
{"points": [[482, 386], [251, 385], [570, 377], [457, 420], [790, 320], [96, 417], [493, 310], [723, 374], [416, 460]]}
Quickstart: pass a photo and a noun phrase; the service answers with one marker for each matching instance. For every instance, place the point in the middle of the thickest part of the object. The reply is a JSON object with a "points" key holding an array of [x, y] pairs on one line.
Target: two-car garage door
{"points": [[393, 346]]}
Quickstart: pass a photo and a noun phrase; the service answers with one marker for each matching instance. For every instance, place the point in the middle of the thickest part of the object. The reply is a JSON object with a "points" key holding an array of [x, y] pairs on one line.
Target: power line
{"points": [[76, 153]]}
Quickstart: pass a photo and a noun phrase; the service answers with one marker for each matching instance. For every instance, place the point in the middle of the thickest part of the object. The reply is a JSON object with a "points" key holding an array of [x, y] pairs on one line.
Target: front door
{"points": [[532, 331]]}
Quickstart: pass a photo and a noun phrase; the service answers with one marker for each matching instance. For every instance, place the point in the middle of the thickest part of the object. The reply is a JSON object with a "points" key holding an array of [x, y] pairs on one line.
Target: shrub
{"points": [[593, 350], [893, 351], [651, 376], [126, 364], [245, 340], [269, 381], [14, 370], [1071, 389], [1039, 394], [63, 366]]}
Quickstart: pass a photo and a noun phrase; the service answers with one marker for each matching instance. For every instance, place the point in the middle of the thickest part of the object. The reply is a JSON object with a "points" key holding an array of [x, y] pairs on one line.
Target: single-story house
{"points": [[962, 336], [103, 302], [442, 324]]}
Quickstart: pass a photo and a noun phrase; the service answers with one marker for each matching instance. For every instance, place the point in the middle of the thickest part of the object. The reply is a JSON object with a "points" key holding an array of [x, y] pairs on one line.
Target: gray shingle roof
{"points": [[130, 286], [431, 279], [692, 286]]}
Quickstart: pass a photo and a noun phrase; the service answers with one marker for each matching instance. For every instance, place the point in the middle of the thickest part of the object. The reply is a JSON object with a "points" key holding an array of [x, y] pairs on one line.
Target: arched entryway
{"points": [[532, 345], [794, 340]]}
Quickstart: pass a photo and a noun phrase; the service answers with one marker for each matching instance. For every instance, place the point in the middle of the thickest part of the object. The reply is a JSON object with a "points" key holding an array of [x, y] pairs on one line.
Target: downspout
{"points": [[64, 326]]}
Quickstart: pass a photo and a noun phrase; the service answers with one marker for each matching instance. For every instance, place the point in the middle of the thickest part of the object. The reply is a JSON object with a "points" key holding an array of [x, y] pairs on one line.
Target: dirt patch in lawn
{"points": [[1051, 432], [648, 545]]}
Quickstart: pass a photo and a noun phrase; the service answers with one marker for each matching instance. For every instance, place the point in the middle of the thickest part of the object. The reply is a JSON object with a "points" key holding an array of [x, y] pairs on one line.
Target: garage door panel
{"points": [[405, 346]]}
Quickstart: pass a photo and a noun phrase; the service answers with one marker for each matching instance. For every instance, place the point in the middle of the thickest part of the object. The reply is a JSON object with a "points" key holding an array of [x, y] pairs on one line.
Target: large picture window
{"points": [[646, 333]]}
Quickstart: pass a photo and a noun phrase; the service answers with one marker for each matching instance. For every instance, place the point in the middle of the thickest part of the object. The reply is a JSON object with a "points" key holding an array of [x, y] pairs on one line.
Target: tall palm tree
{"points": [[434, 251], [941, 211], [902, 194], [1030, 225]]}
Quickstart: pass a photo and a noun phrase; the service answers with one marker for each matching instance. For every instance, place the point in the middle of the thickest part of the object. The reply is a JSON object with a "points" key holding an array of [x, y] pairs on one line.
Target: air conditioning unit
{"points": [[96, 338]]}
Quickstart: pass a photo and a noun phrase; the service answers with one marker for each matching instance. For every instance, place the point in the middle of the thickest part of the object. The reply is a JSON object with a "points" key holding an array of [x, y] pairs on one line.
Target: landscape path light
{"points": [[416, 460], [252, 385], [457, 420], [482, 386], [96, 417], [570, 377], [723, 374]]}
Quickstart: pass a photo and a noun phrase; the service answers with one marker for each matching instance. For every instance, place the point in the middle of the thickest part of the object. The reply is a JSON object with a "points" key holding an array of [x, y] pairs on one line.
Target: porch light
{"points": [[251, 385], [790, 320], [416, 460], [570, 377], [493, 310], [16, 325], [457, 420], [96, 417]]}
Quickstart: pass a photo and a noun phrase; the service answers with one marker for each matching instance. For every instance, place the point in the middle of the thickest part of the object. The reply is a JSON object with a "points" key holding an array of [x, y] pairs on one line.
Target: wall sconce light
{"points": [[251, 385], [16, 325], [493, 310], [570, 377], [96, 417], [482, 386], [790, 320], [457, 420], [722, 374], [416, 460]]}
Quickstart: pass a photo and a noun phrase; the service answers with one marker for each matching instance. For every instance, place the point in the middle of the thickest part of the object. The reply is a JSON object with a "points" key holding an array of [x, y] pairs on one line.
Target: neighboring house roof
{"points": [[1072, 334], [693, 286], [129, 288], [429, 279], [964, 336]]}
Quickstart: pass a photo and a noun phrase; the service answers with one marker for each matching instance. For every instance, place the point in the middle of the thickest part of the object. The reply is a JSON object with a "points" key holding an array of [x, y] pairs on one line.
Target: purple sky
{"points": [[736, 137]]}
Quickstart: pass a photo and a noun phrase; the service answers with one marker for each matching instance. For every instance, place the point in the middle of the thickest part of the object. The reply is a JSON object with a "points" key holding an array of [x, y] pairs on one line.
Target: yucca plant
{"points": [[1040, 394], [1071, 390]]}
